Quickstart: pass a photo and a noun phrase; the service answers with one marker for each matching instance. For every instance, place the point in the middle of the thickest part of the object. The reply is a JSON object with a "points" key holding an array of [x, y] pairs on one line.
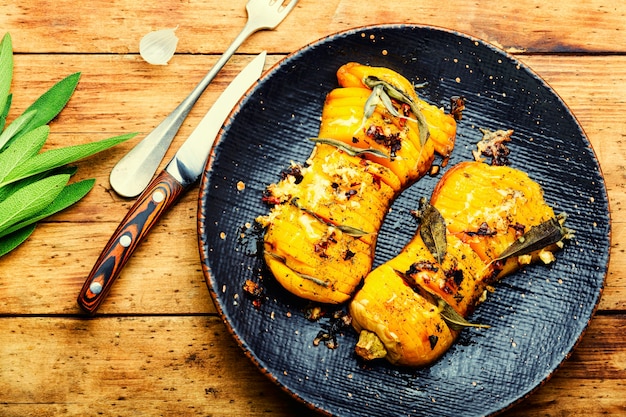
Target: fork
{"points": [[134, 171]]}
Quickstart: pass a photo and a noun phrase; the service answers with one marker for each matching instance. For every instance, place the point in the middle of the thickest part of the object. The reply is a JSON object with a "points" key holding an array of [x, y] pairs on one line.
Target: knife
{"points": [[181, 172]]}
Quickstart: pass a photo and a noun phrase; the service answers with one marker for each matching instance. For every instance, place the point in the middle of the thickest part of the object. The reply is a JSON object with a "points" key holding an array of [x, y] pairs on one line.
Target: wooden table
{"points": [[157, 346]]}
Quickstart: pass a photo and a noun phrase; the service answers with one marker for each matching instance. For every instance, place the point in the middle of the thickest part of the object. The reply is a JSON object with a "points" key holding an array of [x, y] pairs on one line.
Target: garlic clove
{"points": [[158, 47]]}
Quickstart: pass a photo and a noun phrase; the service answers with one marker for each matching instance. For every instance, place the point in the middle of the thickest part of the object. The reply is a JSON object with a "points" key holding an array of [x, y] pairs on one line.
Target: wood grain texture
{"points": [[209, 26], [157, 346], [138, 366]]}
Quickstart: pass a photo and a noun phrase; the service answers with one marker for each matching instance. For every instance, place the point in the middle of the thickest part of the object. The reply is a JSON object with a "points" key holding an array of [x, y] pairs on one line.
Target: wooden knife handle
{"points": [[162, 192]]}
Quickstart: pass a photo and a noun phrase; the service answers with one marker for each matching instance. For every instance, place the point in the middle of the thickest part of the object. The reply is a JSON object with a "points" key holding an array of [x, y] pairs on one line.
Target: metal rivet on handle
{"points": [[125, 241]]}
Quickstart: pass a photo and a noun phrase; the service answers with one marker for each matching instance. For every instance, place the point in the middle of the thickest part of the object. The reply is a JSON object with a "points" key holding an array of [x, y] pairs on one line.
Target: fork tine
{"points": [[289, 7]]}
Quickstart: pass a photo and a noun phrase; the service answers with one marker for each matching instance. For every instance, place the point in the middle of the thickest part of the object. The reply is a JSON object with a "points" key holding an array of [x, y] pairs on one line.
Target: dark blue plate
{"points": [[537, 316]]}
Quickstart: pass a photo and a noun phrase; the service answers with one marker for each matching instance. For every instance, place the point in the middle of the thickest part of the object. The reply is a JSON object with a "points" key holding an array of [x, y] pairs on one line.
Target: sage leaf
{"points": [[536, 238], [454, 320], [16, 126], [70, 194], [6, 73], [49, 104], [350, 150], [371, 103], [9, 189], [5, 112], [25, 147], [58, 157], [433, 230], [397, 94], [386, 100], [30, 200], [12, 241], [349, 230]]}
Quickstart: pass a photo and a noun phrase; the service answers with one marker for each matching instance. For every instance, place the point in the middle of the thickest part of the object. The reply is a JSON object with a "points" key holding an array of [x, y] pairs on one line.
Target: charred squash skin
{"points": [[486, 208], [321, 231]]}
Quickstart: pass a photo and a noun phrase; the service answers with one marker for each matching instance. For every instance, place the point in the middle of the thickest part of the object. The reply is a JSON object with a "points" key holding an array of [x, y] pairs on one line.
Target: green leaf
{"points": [[5, 112], [12, 241], [29, 200], [9, 189], [70, 194], [16, 126], [51, 102], [6, 71], [24, 148], [58, 157]]}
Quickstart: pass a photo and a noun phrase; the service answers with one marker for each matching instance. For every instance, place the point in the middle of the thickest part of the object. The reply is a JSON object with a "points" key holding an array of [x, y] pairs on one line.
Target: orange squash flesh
{"points": [[485, 209], [321, 233]]}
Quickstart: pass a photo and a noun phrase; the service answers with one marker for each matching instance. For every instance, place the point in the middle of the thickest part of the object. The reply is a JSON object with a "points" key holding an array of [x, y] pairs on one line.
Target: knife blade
{"points": [[184, 169]]}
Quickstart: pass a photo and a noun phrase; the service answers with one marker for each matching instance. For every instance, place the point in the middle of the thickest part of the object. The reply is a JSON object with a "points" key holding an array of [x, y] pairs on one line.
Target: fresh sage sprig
{"points": [[33, 184]]}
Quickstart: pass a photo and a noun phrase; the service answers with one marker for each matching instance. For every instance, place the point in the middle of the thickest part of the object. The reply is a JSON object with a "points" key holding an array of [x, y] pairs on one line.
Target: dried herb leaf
{"points": [[371, 103], [397, 94], [349, 230], [454, 319], [377, 96], [449, 314], [433, 230], [313, 279], [350, 150], [538, 237]]}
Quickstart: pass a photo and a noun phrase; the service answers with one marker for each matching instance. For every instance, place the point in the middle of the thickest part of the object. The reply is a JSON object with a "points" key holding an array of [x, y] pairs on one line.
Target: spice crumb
{"points": [[241, 185], [222, 235]]}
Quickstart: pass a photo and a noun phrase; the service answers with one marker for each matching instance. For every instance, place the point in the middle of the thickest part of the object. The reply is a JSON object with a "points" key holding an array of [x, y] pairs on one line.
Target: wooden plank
{"points": [[183, 366], [190, 366], [163, 277], [209, 26]]}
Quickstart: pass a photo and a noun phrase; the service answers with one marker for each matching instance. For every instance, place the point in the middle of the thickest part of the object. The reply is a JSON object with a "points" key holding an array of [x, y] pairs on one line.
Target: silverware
{"points": [[180, 173], [135, 170]]}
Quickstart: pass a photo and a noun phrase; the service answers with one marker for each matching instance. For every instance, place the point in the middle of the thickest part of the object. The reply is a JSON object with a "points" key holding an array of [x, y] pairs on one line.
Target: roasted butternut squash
{"points": [[374, 141], [411, 308]]}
